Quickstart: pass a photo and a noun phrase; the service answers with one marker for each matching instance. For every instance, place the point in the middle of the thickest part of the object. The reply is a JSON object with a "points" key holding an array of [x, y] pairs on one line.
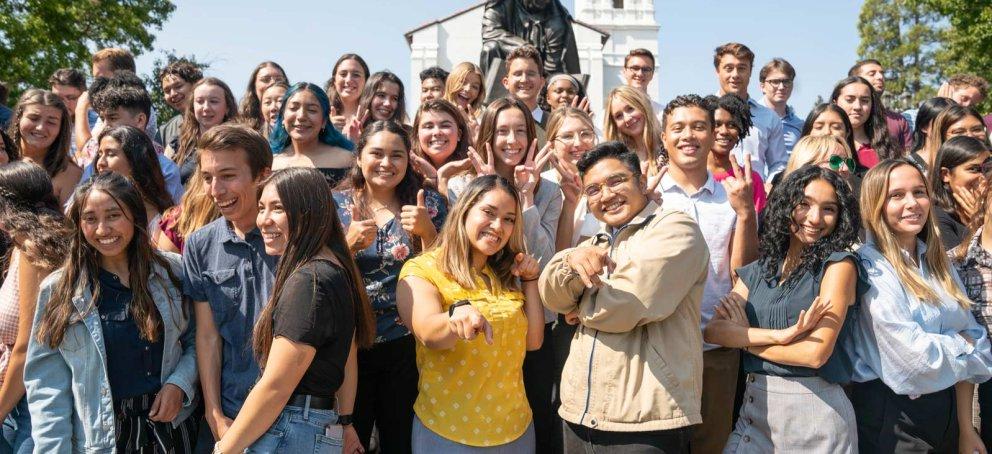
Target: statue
{"points": [[546, 24]]}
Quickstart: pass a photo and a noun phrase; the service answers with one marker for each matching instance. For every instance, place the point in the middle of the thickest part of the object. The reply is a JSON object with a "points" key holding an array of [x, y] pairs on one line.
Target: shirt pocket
{"points": [[75, 337], [224, 293]]}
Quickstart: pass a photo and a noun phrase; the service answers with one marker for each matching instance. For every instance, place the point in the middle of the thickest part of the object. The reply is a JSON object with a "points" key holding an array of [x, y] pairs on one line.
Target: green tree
{"points": [[154, 85], [968, 44], [906, 36], [39, 36]]}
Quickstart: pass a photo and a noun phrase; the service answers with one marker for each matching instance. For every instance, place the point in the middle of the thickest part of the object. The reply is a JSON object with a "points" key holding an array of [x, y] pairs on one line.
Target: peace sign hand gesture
{"points": [[527, 174], [354, 129], [483, 167], [740, 186]]}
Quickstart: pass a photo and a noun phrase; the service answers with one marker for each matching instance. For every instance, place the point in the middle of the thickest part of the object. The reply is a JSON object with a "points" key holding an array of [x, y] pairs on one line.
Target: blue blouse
{"points": [[915, 347], [134, 365], [381, 262], [772, 305]]}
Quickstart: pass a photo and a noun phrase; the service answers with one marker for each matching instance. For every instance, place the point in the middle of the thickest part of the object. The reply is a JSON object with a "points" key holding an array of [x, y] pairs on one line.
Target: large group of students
{"points": [[313, 270]]}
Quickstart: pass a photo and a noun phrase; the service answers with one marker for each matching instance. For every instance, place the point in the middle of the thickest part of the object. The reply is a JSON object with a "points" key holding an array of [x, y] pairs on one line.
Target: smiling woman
{"points": [[42, 130]]}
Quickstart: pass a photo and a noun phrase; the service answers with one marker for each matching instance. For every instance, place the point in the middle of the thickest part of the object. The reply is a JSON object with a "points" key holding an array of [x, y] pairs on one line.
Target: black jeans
{"points": [[561, 338], [387, 389], [583, 440], [892, 423], [539, 380], [985, 410]]}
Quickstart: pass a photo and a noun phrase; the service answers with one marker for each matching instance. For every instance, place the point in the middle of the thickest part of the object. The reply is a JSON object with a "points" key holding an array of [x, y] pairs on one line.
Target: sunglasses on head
{"points": [[835, 161]]}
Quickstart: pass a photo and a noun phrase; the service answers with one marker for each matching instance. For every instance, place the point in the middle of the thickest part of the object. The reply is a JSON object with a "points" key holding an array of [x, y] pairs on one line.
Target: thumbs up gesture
{"points": [[416, 220], [360, 234]]}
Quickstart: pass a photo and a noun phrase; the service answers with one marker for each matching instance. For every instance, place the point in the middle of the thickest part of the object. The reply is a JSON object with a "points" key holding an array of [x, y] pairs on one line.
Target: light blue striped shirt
{"points": [[765, 142], [915, 347]]}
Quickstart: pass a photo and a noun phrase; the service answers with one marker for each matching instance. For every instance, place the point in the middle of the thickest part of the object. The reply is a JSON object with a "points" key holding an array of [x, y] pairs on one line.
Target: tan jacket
{"points": [[636, 361]]}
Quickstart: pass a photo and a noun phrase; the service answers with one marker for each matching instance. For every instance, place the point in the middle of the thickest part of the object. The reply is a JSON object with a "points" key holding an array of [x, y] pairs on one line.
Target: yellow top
{"points": [[473, 393]]}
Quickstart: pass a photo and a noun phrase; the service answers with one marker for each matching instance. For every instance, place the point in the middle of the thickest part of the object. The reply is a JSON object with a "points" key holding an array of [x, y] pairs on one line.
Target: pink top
{"points": [[9, 310], [758, 185], [867, 156]]}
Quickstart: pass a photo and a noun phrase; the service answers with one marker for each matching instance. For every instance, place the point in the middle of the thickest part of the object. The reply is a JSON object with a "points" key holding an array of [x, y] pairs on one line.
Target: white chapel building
{"points": [[605, 30]]}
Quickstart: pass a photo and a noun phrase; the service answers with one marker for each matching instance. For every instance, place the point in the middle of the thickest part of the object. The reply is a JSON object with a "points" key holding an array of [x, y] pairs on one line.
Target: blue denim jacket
{"points": [[68, 390]]}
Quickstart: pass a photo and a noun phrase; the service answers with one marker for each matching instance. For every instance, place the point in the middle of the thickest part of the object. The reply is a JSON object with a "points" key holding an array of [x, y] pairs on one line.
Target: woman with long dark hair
{"points": [[111, 366], [345, 87], [303, 136], [33, 220], [42, 130], [441, 142], [389, 217], [958, 184], [925, 116], [863, 105], [788, 313], [211, 104], [473, 304], [827, 118], [919, 348], [951, 122], [382, 99], [128, 151], [306, 340], [266, 74]]}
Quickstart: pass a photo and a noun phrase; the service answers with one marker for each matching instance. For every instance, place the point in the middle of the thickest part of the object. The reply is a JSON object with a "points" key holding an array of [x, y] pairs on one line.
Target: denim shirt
{"points": [[234, 276], [68, 390], [381, 262], [915, 347]]}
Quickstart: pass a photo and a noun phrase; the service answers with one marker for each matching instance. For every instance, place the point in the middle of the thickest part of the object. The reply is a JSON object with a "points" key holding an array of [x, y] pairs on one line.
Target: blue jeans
{"points": [[17, 430], [299, 429]]}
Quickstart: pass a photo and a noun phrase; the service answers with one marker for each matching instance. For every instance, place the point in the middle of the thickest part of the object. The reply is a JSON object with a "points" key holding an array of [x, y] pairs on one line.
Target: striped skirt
{"points": [[794, 415], [136, 434]]}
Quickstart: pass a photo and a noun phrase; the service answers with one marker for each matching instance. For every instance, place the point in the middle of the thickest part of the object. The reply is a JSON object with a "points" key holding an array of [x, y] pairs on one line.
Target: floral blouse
{"points": [[381, 262]]}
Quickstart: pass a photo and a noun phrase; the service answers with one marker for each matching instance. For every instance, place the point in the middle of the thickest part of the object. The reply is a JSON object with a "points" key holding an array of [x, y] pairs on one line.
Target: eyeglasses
{"points": [[595, 190], [585, 136], [641, 69], [835, 161], [777, 82]]}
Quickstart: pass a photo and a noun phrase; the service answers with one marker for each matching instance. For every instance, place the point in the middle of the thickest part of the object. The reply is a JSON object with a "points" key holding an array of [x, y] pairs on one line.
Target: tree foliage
{"points": [[39, 36], [906, 36], [968, 44], [154, 85]]}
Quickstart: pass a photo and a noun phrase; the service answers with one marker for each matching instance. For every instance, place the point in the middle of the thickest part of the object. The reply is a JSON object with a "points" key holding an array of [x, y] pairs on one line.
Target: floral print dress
{"points": [[381, 262]]}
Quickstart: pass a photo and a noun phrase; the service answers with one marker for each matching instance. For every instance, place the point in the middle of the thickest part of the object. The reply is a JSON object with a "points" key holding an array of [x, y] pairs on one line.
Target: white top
{"points": [[716, 218]]}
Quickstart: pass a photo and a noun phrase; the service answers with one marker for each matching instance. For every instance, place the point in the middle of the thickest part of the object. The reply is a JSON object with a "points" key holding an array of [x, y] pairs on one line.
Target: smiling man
{"points": [[634, 287], [725, 214], [765, 142], [524, 80], [227, 273]]}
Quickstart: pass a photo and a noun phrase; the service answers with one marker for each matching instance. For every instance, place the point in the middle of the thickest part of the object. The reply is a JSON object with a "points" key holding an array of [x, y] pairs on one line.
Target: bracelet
{"points": [[216, 449], [529, 280], [344, 420], [451, 309]]}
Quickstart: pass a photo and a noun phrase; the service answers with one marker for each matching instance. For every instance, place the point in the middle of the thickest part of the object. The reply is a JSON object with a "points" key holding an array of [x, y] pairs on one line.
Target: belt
{"points": [[316, 403]]}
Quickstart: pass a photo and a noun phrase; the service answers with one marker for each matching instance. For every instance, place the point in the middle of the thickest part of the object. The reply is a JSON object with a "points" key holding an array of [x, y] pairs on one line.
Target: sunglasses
{"points": [[835, 161]]}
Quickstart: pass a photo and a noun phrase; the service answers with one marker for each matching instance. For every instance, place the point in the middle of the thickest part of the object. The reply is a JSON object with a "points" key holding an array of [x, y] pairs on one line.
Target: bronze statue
{"points": [[546, 24]]}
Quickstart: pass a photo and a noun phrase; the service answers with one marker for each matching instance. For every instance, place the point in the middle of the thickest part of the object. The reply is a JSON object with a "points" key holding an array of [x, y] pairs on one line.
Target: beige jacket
{"points": [[636, 361]]}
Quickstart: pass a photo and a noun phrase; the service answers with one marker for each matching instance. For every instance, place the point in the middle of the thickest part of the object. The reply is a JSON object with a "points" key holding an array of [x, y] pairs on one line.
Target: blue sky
{"points": [[819, 38]]}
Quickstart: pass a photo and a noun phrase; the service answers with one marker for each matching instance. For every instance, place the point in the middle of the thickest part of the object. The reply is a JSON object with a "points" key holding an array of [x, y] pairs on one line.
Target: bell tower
{"points": [[631, 25]]}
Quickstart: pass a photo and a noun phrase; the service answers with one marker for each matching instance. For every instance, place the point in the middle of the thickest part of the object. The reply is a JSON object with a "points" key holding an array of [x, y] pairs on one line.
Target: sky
{"points": [[306, 36]]}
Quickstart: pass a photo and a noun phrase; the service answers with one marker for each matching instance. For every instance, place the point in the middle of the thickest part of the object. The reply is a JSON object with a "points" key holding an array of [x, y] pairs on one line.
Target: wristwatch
{"points": [[451, 309], [344, 420]]}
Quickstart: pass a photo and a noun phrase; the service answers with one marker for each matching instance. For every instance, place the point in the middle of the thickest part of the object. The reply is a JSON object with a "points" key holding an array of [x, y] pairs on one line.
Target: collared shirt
{"points": [[381, 262], [765, 142], [710, 208], [134, 365], [975, 271], [915, 347], [234, 276], [792, 126]]}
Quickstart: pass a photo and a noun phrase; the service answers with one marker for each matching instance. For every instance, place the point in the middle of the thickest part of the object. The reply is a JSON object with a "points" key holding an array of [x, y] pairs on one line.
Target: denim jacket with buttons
{"points": [[68, 390]]}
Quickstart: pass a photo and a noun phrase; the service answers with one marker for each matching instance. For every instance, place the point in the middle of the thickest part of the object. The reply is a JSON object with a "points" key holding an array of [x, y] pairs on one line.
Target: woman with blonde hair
{"points": [[465, 88], [196, 210], [572, 134], [630, 120], [473, 305], [918, 346], [827, 151]]}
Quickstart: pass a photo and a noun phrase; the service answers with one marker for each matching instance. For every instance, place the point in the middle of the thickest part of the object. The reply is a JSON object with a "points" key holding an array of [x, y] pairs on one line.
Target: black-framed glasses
{"points": [[835, 161], [779, 82]]}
